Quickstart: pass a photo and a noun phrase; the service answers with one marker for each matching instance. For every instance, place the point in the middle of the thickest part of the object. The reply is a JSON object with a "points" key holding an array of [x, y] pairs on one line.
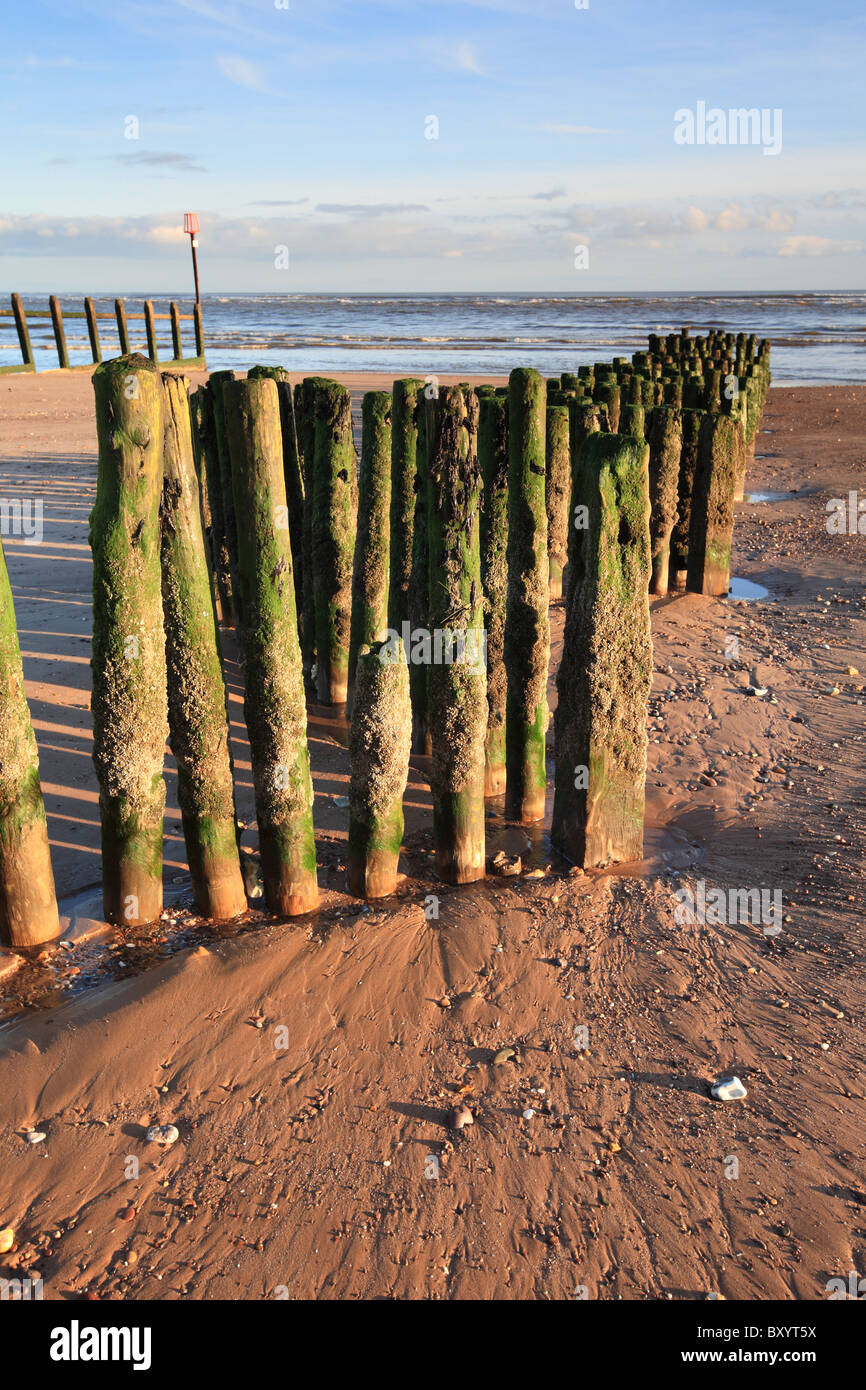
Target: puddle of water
{"points": [[768, 496], [745, 589]]}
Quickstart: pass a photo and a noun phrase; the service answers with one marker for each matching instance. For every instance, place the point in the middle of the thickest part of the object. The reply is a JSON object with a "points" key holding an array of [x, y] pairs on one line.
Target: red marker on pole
{"points": [[190, 226]]}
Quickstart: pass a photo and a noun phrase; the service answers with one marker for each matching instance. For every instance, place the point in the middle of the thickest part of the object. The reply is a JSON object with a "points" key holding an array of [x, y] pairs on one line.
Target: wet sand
{"points": [[308, 1166]]}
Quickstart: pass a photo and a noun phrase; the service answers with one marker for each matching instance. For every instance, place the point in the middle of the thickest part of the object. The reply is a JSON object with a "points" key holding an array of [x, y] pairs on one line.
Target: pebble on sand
{"points": [[729, 1088], [461, 1116], [7, 1239], [35, 1136], [162, 1135]]}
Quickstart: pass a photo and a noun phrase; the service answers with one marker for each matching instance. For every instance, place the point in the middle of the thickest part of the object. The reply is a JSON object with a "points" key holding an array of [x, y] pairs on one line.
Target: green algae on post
{"points": [[335, 499], [419, 582], [679, 547], [606, 670], [493, 461], [666, 442], [527, 628], [217, 382], [274, 703], [458, 685], [370, 574], [293, 471], [204, 440], [129, 705], [197, 718], [557, 481], [379, 743], [405, 407], [584, 418], [712, 521], [28, 906], [306, 427]]}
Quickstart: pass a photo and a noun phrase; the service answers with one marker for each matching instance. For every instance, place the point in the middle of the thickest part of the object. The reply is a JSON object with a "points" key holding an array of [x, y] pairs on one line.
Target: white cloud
{"points": [[241, 72], [817, 246], [466, 60]]}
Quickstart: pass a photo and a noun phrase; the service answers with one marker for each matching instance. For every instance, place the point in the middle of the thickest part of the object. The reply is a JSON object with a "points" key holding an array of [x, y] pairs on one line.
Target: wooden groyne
{"points": [[152, 348]]}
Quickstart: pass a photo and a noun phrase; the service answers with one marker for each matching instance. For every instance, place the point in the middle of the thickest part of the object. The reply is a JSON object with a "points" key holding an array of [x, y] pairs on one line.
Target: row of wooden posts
{"points": [[245, 502], [121, 318]]}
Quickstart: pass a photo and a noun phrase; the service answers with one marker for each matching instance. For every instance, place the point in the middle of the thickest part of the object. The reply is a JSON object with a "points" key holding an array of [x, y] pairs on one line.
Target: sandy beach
{"points": [[310, 1067]]}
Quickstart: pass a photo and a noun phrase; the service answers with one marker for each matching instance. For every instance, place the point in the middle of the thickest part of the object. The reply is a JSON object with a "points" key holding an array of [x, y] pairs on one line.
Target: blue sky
{"points": [[304, 126]]}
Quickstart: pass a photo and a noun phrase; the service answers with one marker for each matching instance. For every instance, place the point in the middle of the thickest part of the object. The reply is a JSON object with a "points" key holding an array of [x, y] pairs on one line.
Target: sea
{"points": [[816, 338]]}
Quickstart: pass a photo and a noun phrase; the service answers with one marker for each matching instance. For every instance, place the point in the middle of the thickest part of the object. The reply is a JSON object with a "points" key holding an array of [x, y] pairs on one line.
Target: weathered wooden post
{"points": [[294, 474], [527, 629], [197, 718], [92, 330], [458, 686], [585, 418], [370, 572], [274, 704], [176, 344], [405, 407], [59, 332], [23, 331], [679, 550], [666, 442], [493, 461], [379, 744], [130, 715], [198, 328], [28, 907], [419, 580], [306, 427], [150, 329], [204, 443], [122, 327], [217, 382], [606, 671], [557, 481], [333, 538], [712, 521]]}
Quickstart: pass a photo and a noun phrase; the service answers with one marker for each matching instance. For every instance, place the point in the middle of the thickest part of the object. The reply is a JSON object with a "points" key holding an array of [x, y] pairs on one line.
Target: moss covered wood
{"points": [[665, 433], [712, 520], [584, 418], [379, 744], [608, 393], [217, 381], [527, 629], [557, 483], [370, 574], [493, 461], [130, 714], [274, 703], [293, 473], [679, 547], [405, 406], [458, 685], [28, 906], [197, 718], [606, 670], [419, 582], [306, 425], [204, 441], [335, 502]]}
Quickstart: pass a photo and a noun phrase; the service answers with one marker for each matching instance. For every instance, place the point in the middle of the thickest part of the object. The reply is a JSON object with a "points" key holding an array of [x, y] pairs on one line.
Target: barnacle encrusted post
{"points": [[274, 704], [217, 381], [606, 670], [204, 442], [712, 521], [293, 472], [458, 685], [419, 584], [557, 494], [493, 461], [379, 744], [406, 403], [335, 500], [584, 419], [28, 906], [197, 718], [527, 628], [370, 572], [679, 548], [130, 713], [666, 442]]}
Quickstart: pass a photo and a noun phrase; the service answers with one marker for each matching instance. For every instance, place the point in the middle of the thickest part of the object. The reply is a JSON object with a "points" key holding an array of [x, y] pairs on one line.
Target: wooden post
{"points": [[92, 331], [199, 330], [130, 715], [584, 418], [306, 427], [493, 460], [666, 443], [233, 608], [527, 629], [458, 685], [197, 719], [122, 327], [23, 333], [405, 406], [335, 494], [294, 475], [712, 521], [679, 550], [419, 581], [606, 670], [274, 705], [204, 440], [59, 334], [379, 744], [176, 344], [150, 326], [28, 907], [370, 572], [557, 482]]}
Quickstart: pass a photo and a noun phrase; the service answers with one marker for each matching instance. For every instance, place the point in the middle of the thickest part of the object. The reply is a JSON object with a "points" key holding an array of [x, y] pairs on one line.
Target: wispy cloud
{"points": [[242, 72], [371, 209], [162, 159], [578, 129], [818, 246]]}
